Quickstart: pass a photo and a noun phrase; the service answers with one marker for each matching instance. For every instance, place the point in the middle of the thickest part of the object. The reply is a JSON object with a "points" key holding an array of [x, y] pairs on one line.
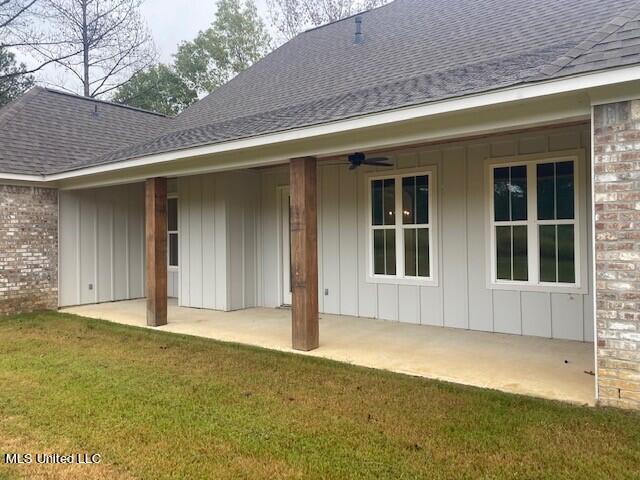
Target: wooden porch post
{"points": [[156, 238], [304, 253]]}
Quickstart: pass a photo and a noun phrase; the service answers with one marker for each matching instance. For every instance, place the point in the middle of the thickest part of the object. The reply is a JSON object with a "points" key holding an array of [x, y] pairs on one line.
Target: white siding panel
{"points": [[567, 321], [104, 246], [184, 228], [98, 228], [453, 209], [120, 243], [506, 312], [349, 243], [409, 304], [195, 242], [209, 281], [388, 302], [536, 314], [480, 297], [533, 144], [431, 306], [88, 254], [136, 242], [330, 232], [221, 246]]}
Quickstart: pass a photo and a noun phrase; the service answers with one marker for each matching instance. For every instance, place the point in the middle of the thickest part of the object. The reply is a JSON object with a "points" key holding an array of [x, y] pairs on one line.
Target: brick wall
{"points": [[28, 249], [617, 207]]}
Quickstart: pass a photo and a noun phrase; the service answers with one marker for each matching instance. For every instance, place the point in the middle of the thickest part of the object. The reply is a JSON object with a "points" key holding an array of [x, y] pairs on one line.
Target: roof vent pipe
{"points": [[359, 36]]}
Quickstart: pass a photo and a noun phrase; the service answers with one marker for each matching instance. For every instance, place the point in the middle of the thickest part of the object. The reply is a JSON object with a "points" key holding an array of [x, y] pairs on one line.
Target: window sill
{"points": [[403, 281], [541, 288]]}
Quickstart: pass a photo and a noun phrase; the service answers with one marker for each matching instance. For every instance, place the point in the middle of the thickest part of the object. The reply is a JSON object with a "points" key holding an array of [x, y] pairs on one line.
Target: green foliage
{"points": [[13, 83], [236, 39], [159, 89]]}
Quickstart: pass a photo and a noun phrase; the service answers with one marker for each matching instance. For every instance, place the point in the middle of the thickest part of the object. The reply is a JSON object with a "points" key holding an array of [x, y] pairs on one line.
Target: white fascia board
{"points": [[510, 94], [20, 178]]}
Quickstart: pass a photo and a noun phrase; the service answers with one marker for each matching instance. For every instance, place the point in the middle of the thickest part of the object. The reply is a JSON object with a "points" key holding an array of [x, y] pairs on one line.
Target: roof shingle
{"points": [[414, 52]]}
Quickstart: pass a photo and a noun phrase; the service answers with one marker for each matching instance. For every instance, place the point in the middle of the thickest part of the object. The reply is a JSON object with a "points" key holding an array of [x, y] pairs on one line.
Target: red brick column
{"points": [[617, 211]]}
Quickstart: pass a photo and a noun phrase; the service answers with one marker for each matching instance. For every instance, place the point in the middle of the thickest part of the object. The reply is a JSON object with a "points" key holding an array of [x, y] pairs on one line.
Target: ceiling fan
{"points": [[359, 158]]}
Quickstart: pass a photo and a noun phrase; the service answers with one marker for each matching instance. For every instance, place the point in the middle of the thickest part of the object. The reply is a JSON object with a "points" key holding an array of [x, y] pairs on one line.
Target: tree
{"points": [[236, 39], [101, 43], [291, 17], [15, 82], [13, 14], [159, 89]]}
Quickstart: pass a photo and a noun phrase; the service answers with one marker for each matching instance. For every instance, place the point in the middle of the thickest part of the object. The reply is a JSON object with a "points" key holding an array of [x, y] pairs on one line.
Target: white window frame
{"points": [[173, 268], [399, 227], [532, 223]]}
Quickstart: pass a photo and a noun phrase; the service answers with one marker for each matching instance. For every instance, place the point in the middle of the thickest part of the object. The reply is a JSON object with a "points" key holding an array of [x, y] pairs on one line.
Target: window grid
{"points": [[533, 225], [400, 227], [173, 233]]}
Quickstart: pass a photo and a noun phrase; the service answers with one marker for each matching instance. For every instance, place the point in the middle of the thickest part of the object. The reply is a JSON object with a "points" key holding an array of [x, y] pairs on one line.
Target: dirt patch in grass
{"points": [[158, 405]]}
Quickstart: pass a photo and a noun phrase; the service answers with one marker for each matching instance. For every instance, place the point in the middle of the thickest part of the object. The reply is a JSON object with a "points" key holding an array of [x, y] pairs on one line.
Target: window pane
{"points": [[546, 191], [565, 190], [172, 214], [518, 189], [173, 249], [503, 253], [547, 253], [408, 200], [422, 199], [423, 253], [501, 194], [520, 257], [410, 260], [390, 251], [376, 202], [389, 201], [566, 254], [378, 252]]}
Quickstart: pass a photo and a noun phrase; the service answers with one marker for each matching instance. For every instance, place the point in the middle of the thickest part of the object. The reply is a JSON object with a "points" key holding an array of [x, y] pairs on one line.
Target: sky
{"points": [[173, 21], [170, 22]]}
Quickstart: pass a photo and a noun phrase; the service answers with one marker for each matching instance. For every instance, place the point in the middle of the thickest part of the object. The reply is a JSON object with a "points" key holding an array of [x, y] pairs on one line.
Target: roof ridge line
{"points": [[608, 29], [105, 102], [362, 12]]}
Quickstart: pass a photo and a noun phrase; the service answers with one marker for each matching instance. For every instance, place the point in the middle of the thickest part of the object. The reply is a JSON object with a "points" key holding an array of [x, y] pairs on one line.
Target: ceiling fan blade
{"points": [[378, 163], [377, 159]]}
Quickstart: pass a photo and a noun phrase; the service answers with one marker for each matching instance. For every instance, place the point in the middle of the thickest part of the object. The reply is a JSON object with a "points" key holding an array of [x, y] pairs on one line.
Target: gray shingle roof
{"points": [[48, 131], [414, 52]]}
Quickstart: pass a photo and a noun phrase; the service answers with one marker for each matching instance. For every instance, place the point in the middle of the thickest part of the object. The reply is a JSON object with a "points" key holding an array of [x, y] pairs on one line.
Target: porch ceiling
{"points": [[553, 369]]}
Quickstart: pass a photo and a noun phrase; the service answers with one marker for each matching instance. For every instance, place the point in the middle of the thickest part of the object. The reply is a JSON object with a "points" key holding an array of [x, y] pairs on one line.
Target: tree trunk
{"points": [[85, 50]]}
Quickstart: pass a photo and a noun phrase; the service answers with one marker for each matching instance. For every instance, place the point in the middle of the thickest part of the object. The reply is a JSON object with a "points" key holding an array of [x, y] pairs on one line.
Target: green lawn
{"points": [[158, 405]]}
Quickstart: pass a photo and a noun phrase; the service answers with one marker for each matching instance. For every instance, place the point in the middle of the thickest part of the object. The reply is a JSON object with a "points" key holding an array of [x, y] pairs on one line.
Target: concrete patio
{"points": [[540, 367]]}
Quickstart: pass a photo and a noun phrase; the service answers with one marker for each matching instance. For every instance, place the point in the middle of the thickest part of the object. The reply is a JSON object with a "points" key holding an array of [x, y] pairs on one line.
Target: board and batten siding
{"points": [[462, 298], [217, 246], [101, 245]]}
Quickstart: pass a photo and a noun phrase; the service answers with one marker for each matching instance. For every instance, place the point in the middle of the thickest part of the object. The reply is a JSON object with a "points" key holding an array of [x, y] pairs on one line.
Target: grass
{"points": [[158, 405]]}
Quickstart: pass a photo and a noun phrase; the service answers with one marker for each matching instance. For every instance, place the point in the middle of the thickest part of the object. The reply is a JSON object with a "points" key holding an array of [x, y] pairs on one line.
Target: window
{"points": [[172, 227], [401, 227], [534, 223]]}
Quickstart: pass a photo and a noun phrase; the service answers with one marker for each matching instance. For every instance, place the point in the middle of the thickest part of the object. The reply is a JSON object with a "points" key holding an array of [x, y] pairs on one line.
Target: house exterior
{"points": [[508, 200]]}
